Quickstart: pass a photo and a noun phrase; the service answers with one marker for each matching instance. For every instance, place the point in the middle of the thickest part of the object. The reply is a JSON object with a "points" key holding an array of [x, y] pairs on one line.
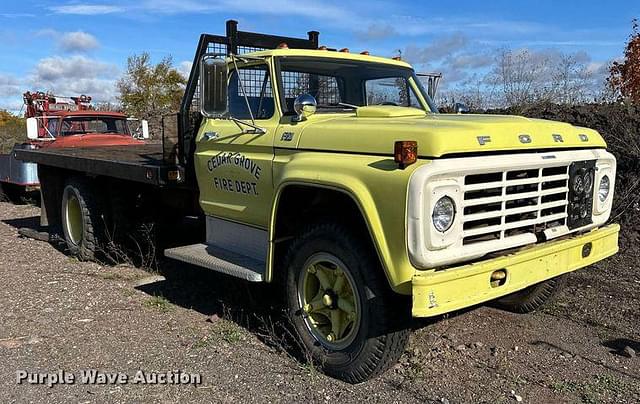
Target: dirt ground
{"points": [[60, 314]]}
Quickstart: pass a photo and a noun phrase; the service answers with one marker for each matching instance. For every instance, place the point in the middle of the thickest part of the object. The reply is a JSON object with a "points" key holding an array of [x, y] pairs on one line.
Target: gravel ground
{"points": [[61, 314]]}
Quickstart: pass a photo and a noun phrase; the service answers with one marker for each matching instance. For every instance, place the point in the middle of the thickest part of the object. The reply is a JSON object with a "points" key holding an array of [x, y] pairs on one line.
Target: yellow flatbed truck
{"points": [[332, 176]]}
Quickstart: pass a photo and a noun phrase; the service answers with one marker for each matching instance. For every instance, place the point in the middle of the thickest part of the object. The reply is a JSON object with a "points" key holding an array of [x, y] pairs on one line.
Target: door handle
{"points": [[211, 136]]}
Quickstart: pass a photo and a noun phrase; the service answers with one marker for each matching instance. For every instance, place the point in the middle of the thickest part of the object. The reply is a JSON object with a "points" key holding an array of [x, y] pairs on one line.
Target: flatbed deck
{"points": [[143, 163]]}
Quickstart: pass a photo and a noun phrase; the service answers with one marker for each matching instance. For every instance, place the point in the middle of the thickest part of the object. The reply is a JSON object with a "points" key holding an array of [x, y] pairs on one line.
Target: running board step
{"points": [[219, 260]]}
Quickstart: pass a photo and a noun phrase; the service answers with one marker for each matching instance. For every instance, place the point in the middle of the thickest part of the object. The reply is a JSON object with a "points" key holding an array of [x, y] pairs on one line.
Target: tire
{"points": [[13, 193], [375, 335], [532, 298], [83, 221]]}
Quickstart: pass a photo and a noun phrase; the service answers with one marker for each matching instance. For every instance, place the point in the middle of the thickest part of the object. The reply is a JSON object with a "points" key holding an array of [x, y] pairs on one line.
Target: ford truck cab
{"points": [[334, 176]]}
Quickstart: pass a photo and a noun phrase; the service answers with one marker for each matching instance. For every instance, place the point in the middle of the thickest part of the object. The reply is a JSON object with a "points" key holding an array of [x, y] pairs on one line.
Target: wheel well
{"points": [[123, 201], [300, 204]]}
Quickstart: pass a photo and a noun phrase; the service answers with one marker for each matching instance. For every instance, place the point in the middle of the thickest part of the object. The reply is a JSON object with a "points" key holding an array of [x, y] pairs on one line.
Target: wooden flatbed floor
{"points": [[140, 163]]}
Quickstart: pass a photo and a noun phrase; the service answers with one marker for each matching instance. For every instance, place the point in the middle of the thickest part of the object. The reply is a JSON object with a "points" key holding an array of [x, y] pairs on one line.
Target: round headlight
{"points": [[604, 188], [443, 214]]}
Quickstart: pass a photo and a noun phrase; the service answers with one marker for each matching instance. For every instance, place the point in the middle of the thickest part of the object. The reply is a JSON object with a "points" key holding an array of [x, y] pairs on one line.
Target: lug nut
{"points": [[331, 337]]}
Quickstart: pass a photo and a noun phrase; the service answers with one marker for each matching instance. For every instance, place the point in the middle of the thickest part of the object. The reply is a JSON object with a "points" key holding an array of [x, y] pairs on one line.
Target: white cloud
{"points": [[10, 93], [56, 67], [86, 9], [17, 15], [290, 7], [438, 49], [75, 75], [9, 85], [78, 42], [376, 32], [184, 68]]}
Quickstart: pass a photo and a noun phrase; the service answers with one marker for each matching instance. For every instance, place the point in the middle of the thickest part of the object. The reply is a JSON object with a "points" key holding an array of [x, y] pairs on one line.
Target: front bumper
{"points": [[444, 291]]}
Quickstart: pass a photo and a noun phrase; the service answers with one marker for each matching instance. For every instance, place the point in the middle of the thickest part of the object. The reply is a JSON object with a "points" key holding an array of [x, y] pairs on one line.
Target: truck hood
{"points": [[374, 129], [92, 140]]}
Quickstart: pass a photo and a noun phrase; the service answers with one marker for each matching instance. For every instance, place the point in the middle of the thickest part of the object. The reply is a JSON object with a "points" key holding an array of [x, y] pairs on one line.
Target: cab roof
{"points": [[329, 54], [67, 114]]}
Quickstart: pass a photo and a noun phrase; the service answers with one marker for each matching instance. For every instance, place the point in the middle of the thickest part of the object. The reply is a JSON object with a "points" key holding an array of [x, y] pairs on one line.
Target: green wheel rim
{"points": [[73, 218], [330, 305]]}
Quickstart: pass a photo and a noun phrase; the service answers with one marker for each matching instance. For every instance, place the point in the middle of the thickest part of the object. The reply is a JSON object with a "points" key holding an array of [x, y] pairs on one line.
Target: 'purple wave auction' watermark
{"points": [[97, 377]]}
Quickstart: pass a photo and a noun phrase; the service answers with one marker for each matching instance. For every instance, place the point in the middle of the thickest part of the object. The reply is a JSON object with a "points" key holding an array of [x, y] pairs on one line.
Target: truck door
{"points": [[233, 163]]}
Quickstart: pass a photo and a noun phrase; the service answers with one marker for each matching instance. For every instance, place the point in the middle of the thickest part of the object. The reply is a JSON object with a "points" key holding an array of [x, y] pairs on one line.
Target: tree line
{"points": [[521, 77]]}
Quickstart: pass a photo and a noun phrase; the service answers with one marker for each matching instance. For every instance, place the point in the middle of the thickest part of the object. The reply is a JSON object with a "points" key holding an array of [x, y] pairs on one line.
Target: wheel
{"points": [[341, 306], [82, 219], [531, 298], [13, 193]]}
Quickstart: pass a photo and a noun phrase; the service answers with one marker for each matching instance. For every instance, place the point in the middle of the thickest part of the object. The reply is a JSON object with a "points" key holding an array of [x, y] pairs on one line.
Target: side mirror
{"points": [[304, 106], [32, 128], [145, 129], [461, 108], [213, 86]]}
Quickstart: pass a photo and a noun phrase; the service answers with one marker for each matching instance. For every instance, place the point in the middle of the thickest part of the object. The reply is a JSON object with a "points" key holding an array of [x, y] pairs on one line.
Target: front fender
{"points": [[376, 185]]}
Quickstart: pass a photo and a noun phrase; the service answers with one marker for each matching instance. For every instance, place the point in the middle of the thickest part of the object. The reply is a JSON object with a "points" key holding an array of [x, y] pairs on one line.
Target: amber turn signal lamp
{"points": [[405, 152]]}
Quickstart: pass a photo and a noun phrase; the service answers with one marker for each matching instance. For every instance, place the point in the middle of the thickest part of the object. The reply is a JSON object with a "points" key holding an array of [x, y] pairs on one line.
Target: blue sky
{"points": [[76, 46]]}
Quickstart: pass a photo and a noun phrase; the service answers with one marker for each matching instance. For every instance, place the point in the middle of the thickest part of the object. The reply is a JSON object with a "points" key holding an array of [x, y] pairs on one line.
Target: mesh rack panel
{"points": [[323, 88], [235, 42]]}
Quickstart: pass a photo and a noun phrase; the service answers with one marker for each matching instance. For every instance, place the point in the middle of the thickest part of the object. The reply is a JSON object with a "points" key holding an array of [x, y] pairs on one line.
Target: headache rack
{"points": [[179, 130]]}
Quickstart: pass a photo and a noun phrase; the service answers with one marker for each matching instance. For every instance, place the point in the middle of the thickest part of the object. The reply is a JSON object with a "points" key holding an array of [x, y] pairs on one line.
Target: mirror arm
{"points": [[244, 93], [256, 129]]}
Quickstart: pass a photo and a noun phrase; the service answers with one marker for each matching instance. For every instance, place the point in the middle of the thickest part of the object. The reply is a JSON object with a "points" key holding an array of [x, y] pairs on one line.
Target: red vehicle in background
{"points": [[64, 122], [58, 124]]}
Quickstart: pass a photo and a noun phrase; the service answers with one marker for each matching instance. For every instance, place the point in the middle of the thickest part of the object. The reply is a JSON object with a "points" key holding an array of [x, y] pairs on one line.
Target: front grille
{"points": [[503, 204]]}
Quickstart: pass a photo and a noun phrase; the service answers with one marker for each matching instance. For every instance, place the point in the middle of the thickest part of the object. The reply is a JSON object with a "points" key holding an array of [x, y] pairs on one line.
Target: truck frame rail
{"points": [[142, 164]]}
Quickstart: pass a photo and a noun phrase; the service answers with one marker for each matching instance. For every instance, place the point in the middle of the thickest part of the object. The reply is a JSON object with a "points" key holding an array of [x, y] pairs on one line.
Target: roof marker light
{"points": [[365, 53], [283, 45], [344, 50]]}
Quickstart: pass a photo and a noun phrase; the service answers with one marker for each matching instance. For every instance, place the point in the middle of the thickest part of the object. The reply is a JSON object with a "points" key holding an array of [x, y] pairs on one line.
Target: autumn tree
{"points": [[12, 130], [148, 90], [522, 77], [624, 76]]}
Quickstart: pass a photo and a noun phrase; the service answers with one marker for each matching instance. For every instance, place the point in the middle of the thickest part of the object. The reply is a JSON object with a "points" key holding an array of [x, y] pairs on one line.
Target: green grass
{"points": [[160, 303], [231, 334], [223, 330], [594, 391]]}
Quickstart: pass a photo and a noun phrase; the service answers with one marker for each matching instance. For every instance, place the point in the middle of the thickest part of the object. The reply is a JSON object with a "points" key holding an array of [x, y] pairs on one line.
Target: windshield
{"points": [[93, 124], [340, 85]]}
